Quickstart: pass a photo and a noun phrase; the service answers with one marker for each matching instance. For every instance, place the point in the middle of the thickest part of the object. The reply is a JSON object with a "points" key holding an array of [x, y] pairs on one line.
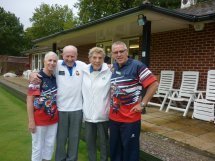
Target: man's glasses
{"points": [[120, 51]]}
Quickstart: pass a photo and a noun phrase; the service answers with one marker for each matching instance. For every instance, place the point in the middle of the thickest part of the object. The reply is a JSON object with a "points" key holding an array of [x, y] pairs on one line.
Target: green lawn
{"points": [[15, 140]]}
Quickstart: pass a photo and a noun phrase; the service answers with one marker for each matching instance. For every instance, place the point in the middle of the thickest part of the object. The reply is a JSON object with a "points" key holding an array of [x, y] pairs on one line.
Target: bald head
{"points": [[70, 48], [70, 54]]}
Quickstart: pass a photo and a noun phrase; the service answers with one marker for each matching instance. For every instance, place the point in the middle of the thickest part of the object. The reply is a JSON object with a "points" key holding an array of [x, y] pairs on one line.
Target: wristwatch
{"points": [[142, 104]]}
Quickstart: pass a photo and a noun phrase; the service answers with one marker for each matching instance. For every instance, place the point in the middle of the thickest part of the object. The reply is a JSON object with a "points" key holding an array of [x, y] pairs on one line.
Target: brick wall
{"points": [[13, 64], [83, 52], [184, 50]]}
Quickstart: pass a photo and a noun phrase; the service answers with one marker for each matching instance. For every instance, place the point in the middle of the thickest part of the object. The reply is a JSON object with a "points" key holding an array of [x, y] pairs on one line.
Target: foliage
{"points": [[12, 35], [48, 19], [167, 3], [90, 10], [170, 3]]}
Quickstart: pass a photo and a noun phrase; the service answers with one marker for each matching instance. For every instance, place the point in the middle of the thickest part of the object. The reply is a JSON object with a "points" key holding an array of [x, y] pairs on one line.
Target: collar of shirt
{"points": [[92, 70], [126, 64], [44, 75], [70, 69]]}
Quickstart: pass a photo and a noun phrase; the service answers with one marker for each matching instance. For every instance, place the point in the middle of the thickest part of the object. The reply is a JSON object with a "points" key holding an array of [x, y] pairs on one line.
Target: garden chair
{"points": [[165, 85], [204, 107], [186, 93]]}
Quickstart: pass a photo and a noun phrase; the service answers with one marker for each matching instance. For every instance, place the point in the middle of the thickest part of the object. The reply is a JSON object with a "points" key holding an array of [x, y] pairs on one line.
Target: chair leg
{"points": [[187, 107], [169, 104], [163, 103]]}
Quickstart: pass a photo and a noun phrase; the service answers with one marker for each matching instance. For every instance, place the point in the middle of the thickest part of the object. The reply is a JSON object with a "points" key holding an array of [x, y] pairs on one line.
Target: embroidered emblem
{"points": [[77, 73], [103, 78], [112, 69], [133, 136]]}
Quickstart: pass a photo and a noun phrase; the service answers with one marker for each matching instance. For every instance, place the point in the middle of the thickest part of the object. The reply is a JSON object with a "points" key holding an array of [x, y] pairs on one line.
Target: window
{"points": [[134, 48], [33, 62], [42, 60], [36, 62]]}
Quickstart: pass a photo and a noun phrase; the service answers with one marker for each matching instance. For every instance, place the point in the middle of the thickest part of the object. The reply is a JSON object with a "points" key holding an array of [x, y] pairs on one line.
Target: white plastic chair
{"points": [[165, 85], [186, 93], [204, 107]]}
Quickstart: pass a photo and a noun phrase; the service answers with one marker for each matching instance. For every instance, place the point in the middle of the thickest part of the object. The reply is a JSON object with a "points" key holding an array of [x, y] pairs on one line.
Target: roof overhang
{"points": [[123, 25]]}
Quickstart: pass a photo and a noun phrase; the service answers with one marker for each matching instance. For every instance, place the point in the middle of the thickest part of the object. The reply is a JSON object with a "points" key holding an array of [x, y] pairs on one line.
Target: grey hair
{"points": [[118, 43], [96, 50], [50, 53]]}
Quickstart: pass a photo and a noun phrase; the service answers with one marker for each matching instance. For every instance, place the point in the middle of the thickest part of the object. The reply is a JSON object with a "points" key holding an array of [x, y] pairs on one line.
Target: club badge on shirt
{"points": [[112, 69], [77, 73]]}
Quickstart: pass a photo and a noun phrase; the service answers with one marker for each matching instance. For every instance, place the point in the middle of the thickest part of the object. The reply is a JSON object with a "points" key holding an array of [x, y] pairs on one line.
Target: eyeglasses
{"points": [[120, 51]]}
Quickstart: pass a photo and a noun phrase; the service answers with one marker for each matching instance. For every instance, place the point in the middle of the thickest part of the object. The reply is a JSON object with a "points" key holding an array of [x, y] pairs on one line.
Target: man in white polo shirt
{"points": [[69, 101]]}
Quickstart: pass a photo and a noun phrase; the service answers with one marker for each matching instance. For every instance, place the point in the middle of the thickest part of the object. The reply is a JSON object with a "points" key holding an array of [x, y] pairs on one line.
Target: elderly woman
{"points": [[96, 96], [42, 111]]}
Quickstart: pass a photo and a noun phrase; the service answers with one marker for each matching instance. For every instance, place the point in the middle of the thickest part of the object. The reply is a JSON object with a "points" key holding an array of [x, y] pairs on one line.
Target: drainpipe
{"points": [[146, 41], [54, 47]]}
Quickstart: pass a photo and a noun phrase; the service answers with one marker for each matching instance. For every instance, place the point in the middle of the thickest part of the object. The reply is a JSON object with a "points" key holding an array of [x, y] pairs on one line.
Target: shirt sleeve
{"points": [[145, 76], [33, 89]]}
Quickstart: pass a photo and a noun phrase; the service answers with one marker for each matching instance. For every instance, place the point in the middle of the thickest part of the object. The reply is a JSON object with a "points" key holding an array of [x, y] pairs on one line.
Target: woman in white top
{"points": [[96, 103]]}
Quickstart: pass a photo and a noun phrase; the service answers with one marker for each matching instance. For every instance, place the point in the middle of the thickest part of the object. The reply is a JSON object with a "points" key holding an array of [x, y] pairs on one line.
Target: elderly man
{"points": [[96, 96], [69, 100], [128, 78]]}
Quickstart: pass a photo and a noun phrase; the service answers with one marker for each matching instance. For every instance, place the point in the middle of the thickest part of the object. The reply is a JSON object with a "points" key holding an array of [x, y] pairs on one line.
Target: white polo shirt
{"points": [[69, 95]]}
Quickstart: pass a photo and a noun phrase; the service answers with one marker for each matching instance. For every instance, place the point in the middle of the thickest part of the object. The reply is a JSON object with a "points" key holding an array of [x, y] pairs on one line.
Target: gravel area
{"points": [[170, 150]]}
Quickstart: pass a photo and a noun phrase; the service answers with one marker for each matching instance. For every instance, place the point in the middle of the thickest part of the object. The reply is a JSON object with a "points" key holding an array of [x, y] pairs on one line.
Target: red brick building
{"points": [[179, 40], [13, 64]]}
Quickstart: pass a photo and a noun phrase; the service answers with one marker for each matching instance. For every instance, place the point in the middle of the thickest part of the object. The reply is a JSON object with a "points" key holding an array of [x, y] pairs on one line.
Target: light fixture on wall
{"points": [[199, 26], [100, 45], [146, 35], [141, 20]]}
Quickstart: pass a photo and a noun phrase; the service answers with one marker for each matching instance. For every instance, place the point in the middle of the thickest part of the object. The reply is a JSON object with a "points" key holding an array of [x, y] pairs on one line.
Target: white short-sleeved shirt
{"points": [[69, 95]]}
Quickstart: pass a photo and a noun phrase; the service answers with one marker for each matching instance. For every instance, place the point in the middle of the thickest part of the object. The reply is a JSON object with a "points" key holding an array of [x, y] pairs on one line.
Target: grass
{"points": [[15, 140]]}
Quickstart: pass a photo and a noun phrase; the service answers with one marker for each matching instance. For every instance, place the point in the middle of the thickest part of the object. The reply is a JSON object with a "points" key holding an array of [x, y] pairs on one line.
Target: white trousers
{"points": [[43, 141]]}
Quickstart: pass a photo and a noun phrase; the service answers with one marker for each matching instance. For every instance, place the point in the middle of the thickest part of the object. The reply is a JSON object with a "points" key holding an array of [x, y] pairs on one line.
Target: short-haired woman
{"points": [[42, 111]]}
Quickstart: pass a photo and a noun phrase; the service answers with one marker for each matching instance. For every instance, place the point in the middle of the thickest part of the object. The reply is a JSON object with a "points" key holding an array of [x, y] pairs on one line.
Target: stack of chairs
{"points": [[204, 106]]}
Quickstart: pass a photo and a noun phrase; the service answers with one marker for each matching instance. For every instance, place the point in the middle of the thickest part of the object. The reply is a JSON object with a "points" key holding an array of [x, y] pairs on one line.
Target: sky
{"points": [[23, 9]]}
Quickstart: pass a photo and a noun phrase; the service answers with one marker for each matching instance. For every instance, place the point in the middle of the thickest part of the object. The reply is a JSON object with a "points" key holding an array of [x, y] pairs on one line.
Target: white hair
{"points": [[118, 43], [50, 53], [96, 50]]}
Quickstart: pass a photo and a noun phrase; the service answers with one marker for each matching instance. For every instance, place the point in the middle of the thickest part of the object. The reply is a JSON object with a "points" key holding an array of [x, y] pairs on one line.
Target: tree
{"points": [[167, 3], [90, 10], [12, 36], [48, 19]]}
